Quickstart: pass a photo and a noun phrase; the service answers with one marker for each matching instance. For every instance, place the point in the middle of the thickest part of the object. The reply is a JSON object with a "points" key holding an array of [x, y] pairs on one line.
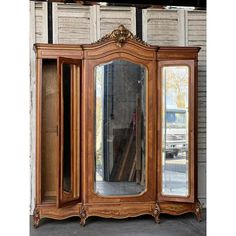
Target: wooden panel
{"points": [[96, 51], [71, 23], [51, 211], [49, 141], [56, 50], [69, 111], [120, 210]]}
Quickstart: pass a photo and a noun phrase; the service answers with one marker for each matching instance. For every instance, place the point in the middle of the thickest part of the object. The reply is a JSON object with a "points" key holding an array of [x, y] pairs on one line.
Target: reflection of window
{"points": [[176, 119]]}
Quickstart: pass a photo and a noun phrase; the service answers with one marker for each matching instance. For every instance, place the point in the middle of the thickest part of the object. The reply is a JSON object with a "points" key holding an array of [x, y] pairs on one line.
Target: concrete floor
{"points": [[185, 225]]}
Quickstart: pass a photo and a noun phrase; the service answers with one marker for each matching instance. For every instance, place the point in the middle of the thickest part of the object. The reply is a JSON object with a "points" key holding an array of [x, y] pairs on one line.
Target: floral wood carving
{"points": [[121, 35]]}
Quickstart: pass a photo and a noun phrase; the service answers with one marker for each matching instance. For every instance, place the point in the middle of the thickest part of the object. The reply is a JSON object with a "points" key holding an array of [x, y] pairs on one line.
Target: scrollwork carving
{"points": [[121, 35]]}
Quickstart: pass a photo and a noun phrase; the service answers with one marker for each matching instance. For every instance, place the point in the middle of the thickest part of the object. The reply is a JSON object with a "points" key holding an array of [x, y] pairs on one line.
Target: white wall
{"points": [[38, 34], [85, 24]]}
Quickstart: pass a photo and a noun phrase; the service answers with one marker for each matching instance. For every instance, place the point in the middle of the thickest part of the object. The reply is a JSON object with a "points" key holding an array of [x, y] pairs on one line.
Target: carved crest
{"points": [[121, 35]]}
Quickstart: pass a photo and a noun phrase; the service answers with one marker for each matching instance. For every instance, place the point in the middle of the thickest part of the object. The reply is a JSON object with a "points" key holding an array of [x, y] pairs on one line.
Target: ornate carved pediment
{"points": [[121, 35]]}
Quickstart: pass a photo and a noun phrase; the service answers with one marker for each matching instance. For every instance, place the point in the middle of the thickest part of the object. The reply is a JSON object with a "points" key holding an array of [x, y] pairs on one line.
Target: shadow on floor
{"points": [[185, 225]]}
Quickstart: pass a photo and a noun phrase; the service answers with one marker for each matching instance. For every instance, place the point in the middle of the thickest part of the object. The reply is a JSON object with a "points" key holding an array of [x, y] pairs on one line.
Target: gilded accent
{"points": [[36, 217], [121, 35]]}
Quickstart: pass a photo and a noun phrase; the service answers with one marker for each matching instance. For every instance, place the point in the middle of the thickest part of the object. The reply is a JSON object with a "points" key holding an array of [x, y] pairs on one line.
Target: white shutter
{"points": [[161, 27], [41, 22], [77, 24], [109, 18], [196, 36], [72, 23]]}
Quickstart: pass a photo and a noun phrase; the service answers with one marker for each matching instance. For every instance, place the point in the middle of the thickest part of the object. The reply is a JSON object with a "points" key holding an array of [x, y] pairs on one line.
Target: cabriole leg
{"points": [[36, 218], [156, 213], [198, 211], [83, 216]]}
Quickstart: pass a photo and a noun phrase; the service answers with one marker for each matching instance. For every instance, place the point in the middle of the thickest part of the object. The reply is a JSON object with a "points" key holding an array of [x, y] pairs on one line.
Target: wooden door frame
{"points": [[103, 54], [74, 196], [191, 136]]}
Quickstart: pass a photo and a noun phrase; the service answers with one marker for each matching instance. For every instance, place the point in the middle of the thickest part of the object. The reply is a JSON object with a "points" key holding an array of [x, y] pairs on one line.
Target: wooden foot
{"points": [[198, 211], [36, 218], [83, 216], [156, 213], [83, 221]]}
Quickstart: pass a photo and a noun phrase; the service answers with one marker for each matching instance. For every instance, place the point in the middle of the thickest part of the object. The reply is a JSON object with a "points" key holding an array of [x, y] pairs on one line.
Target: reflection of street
{"points": [[99, 173], [176, 164], [175, 176]]}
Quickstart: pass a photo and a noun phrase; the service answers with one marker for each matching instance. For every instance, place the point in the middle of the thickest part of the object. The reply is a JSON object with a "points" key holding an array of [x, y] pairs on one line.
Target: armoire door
{"points": [[176, 163], [119, 114], [69, 74]]}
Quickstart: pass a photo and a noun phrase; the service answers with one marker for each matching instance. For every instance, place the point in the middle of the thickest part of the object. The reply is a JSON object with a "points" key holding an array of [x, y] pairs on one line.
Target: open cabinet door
{"points": [[69, 77]]}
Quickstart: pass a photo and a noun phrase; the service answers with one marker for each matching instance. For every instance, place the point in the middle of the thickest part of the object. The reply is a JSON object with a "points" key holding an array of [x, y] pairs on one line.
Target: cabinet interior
{"points": [[49, 143]]}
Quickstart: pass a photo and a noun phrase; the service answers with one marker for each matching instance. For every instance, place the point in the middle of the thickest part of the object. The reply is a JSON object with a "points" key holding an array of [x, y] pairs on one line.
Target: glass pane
{"points": [[67, 80], [120, 88], [175, 158]]}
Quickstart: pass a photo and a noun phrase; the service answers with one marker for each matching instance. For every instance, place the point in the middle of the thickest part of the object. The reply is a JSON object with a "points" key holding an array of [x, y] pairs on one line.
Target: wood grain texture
{"points": [[51, 211], [49, 138], [120, 211]]}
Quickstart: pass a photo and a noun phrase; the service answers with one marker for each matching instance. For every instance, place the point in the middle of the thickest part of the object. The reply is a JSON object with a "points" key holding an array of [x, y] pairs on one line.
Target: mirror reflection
{"points": [[175, 161], [120, 118], [67, 80]]}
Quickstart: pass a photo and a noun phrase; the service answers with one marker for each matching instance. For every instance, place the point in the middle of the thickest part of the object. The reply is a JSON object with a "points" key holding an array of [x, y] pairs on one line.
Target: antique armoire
{"points": [[116, 129]]}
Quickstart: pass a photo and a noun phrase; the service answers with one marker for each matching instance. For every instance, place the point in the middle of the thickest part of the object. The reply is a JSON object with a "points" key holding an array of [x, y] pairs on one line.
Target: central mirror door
{"points": [[120, 128]]}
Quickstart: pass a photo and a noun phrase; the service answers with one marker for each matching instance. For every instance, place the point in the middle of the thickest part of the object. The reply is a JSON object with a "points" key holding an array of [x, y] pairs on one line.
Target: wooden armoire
{"points": [[116, 129]]}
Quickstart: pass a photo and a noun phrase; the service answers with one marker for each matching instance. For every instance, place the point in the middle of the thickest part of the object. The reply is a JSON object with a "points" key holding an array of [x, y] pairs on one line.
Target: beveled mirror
{"points": [[175, 131], [120, 128]]}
